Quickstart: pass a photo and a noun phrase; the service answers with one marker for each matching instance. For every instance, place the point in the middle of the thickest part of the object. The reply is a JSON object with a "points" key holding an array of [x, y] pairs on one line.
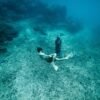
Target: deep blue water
{"points": [[27, 24]]}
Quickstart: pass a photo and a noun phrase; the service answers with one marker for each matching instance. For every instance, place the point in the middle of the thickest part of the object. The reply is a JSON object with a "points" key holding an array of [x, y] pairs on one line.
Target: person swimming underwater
{"points": [[51, 58]]}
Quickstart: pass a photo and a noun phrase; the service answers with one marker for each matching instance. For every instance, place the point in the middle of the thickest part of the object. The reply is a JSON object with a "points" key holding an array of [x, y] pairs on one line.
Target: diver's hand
{"points": [[69, 56]]}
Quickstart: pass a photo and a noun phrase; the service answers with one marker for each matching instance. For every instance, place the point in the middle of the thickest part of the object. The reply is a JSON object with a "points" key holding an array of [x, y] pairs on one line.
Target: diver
{"points": [[58, 44], [51, 58]]}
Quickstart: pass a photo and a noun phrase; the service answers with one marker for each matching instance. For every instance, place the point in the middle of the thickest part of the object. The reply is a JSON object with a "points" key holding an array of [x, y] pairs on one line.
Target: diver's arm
{"points": [[67, 57], [53, 54], [43, 54], [61, 58]]}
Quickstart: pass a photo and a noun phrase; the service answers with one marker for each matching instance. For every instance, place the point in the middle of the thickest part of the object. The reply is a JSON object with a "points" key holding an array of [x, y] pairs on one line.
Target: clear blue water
{"points": [[27, 24]]}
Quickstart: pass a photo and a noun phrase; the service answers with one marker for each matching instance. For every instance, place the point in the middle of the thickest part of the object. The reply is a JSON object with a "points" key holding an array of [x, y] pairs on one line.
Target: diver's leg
{"points": [[54, 66]]}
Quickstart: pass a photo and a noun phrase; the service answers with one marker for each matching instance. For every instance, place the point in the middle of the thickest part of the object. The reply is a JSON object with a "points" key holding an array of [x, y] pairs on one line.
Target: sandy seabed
{"points": [[25, 76]]}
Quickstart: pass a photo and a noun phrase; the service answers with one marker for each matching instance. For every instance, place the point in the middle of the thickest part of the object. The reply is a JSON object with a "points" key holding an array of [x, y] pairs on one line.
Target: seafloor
{"points": [[25, 76]]}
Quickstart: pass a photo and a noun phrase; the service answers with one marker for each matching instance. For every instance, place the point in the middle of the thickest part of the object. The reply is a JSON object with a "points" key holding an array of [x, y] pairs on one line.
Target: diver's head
{"points": [[39, 49]]}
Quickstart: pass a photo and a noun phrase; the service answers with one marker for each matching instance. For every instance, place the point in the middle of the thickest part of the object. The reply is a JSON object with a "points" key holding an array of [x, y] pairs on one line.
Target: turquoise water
{"points": [[25, 76]]}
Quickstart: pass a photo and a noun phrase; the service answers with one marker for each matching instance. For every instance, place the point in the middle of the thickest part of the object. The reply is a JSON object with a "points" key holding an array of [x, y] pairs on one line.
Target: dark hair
{"points": [[39, 49]]}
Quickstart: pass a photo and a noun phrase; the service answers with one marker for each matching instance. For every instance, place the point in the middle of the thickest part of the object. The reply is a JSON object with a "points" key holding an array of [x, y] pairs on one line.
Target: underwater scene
{"points": [[49, 49]]}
